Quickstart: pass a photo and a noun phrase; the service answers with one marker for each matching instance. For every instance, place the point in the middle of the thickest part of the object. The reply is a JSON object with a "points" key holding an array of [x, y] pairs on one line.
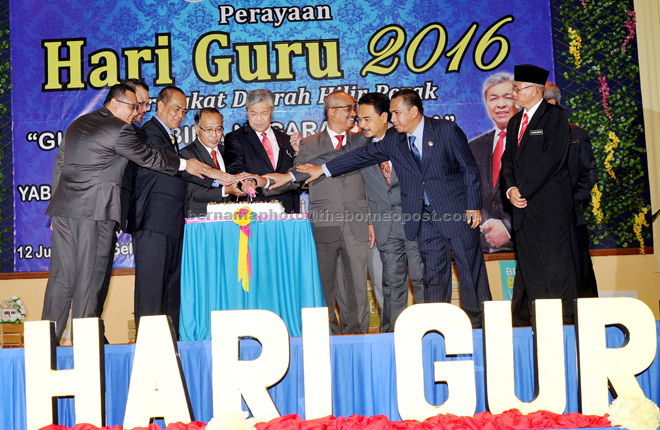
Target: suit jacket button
{"points": [[423, 182], [421, 200], [517, 166], [389, 192]]}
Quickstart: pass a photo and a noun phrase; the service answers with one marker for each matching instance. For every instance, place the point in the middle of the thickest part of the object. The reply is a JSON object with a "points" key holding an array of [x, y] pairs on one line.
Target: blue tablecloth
{"points": [[363, 376], [285, 273]]}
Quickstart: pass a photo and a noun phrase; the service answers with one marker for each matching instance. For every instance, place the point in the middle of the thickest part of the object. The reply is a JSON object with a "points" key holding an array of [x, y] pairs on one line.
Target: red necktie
{"points": [[497, 157], [269, 149], [340, 138], [387, 172], [215, 159], [523, 128]]}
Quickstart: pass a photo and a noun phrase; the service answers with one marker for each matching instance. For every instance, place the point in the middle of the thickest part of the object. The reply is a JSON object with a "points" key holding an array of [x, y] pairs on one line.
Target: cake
{"points": [[226, 211]]}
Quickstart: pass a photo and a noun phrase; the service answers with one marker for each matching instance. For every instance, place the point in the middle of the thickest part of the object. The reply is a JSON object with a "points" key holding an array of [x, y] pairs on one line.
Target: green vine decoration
{"points": [[600, 36], [5, 88]]}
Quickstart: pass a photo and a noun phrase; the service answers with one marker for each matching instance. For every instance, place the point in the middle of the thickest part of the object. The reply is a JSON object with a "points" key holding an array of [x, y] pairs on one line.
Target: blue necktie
{"points": [[415, 152]]}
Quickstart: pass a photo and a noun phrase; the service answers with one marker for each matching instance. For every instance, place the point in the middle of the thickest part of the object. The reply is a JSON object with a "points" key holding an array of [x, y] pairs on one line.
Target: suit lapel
{"points": [[410, 161], [536, 119], [252, 138], [325, 142], [489, 159], [173, 147], [203, 153], [513, 141], [428, 144], [284, 151]]}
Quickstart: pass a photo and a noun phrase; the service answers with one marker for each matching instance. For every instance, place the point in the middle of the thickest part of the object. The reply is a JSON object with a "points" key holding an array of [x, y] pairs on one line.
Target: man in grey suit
{"points": [[206, 148], [338, 210], [398, 254], [86, 207]]}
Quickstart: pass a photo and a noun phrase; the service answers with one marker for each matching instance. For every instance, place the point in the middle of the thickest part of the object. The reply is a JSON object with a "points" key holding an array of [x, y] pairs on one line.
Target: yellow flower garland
{"points": [[595, 203], [243, 217], [575, 46], [609, 148], [640, 221]]}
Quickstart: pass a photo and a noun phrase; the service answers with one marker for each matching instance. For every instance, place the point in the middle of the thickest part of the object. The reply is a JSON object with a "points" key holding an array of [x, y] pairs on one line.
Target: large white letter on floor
{"points": [[85, 381], [233, 377], [599, 364], [157, 388], [410, 328], [316, 363], [550, 378]]}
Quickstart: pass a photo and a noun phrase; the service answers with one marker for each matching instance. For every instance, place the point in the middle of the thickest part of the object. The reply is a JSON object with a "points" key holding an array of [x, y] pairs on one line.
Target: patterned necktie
{"points": [[415, 152], [269, 149], [523, 128], [387, 172], [497, 157], [340, 138], [173, 139], [215, 158]]}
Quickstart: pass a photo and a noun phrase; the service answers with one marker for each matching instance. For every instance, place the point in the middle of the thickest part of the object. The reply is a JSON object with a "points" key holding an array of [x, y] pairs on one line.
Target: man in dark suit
{"points": [[260, 149], [156, 216], [206, 148], [487, 149], [86, 206], [537, 181], [584, 175], [440, 197]]}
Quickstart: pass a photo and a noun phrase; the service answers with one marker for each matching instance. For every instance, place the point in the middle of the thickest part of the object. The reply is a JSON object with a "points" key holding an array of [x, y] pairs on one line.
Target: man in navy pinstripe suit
{"points": [[440, 197]]}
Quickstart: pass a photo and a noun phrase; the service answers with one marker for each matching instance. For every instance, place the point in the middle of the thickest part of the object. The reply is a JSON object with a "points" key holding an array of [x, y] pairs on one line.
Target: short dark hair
{"points": [[117, 91], [411, 98], [379, 101], [165, 95], [134, 82], [199, 113]]}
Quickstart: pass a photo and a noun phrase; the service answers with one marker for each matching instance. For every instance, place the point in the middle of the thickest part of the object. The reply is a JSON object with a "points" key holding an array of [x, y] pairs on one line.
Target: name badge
{"points": [[574, 142], [536, 132]]}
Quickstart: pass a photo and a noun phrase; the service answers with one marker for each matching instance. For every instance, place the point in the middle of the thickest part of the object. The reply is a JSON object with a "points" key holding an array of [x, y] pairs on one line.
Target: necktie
{"points": [[173, 139], [215, 159], [340, 138], [387, 172], [523, 128], [415, 152], [497, 157], [269, 149]]}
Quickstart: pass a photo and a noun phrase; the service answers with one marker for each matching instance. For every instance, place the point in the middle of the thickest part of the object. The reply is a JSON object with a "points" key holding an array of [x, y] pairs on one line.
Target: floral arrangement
{"points": [[595, 203], [640, 221], [634, 413], [238, 421], [605, 95], [13, 310], [609, 148], [575, 46], [631, 26]]}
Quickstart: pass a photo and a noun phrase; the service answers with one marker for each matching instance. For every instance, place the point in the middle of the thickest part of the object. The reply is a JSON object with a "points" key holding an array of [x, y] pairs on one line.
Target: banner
{"points": [[66, 53]]}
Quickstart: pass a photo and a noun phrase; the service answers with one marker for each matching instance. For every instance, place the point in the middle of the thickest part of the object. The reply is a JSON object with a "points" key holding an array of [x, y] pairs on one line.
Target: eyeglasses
{"points": [[146, 104], [517, 90], [347, 107], [135, 107], [209, 130]]}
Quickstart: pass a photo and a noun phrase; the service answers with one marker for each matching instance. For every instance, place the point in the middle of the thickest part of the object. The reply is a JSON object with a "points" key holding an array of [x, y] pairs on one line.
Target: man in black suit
{"points": [[206, 148], [440, 197], [260, 149], [584, 175], [156, 216], [86, 204], [487, 149], [537, 181], [141, 90]]}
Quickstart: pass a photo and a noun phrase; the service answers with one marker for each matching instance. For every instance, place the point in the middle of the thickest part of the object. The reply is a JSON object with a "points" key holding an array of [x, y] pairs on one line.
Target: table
{"points": [[285, 273]]}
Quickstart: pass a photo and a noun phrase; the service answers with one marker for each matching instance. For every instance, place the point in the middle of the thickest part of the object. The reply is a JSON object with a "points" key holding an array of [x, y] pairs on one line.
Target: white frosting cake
{"points": [[226, 211]]}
